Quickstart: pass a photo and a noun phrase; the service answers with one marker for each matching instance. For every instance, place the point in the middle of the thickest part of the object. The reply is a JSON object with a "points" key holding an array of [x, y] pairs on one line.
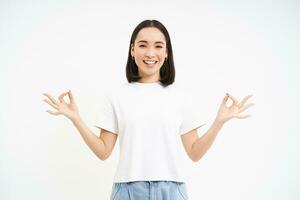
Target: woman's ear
{"points": [[167, 52], [131, 50]]}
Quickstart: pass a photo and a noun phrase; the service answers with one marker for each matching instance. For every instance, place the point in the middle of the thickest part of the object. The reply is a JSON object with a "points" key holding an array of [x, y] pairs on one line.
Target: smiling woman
{"points": [[148, 114]]}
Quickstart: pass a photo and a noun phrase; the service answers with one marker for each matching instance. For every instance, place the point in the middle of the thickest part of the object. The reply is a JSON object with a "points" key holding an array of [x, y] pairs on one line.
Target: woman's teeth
{"points": [[150, 62]]}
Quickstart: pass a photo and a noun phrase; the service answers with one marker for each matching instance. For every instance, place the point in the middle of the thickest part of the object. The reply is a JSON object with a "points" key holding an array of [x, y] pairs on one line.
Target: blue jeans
{"points": [[149, 190]]}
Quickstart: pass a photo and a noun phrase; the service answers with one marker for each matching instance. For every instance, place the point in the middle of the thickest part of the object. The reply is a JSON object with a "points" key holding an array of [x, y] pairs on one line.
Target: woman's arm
{"points": [[95, 143], [70, 110], [201, 145]]}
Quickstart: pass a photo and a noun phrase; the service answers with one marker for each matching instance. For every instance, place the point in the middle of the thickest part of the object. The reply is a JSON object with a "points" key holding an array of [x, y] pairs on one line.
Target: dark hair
{"points": [[167, 71]]}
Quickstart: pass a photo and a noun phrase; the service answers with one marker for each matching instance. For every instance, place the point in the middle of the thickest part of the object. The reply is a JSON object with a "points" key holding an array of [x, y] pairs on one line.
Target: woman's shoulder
{"points": [[178, 89], [116, 90]]}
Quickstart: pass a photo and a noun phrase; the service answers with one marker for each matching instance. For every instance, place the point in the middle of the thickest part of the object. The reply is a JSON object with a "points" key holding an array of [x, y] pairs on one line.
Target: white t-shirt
{"points": [[149, 119]]}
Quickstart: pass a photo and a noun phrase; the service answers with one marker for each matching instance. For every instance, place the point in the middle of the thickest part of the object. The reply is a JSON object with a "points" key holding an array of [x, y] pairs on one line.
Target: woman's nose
{"points": [[150, 53]]}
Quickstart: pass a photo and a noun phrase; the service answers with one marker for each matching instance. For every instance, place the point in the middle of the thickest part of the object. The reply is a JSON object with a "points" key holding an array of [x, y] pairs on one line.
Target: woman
{"points": [[148, 113]]}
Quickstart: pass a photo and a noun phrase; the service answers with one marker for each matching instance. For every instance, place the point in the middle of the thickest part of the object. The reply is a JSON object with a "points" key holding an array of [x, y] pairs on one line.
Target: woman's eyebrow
{"points": [[158, 42]]}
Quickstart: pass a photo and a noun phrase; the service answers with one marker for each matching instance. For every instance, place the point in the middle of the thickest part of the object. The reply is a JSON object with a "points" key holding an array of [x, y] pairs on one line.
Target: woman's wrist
{"points": [[75, 119], [219, 122]]}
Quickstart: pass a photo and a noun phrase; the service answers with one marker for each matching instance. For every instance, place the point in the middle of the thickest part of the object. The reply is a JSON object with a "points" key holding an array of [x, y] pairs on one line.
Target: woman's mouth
{"points": [[150, 63]]}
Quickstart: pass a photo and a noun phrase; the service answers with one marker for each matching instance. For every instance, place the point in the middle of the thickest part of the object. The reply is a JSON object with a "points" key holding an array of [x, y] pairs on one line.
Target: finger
{"points": [[244, 100], [246, 107], [233, 99], [61, 97], [51, 98], [50, 103], [243, 116], [52, 112], [72, 100], [225, 98]]}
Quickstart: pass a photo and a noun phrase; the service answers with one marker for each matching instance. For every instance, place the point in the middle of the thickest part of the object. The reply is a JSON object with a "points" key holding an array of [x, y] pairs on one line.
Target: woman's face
{"points": [[149, 52]]}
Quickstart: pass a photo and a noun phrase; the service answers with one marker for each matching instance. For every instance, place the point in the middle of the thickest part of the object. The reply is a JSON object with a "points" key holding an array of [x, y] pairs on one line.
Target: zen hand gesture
{"points": [[69, 110], [226, 113]]}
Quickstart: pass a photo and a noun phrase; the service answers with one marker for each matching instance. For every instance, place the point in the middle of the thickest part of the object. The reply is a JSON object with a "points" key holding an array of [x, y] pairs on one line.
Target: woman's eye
{"points": [[145, 46]]}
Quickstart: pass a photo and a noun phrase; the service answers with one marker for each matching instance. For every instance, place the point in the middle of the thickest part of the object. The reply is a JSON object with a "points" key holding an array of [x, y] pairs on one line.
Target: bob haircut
{"points": [[167, 71]]}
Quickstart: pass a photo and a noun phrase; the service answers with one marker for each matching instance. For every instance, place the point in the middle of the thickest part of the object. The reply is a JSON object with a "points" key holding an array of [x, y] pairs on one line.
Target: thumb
{"points": [[225, 98]]}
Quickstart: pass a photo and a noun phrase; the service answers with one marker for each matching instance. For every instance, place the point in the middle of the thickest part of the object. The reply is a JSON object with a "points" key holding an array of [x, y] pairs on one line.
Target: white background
{"points": [[248, 47]]}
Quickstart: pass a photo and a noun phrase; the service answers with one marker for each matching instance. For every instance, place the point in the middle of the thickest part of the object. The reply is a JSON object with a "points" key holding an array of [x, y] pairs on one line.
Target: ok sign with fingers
{"points": [[69, 110], [234, 111]]}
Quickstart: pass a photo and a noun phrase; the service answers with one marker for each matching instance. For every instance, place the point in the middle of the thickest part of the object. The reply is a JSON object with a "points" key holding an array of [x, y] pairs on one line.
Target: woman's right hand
{"points": [[69, 110]]}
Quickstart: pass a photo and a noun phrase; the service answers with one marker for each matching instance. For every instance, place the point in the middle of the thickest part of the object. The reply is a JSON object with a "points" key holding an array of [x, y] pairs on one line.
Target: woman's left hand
{"points": [[234, 111]]}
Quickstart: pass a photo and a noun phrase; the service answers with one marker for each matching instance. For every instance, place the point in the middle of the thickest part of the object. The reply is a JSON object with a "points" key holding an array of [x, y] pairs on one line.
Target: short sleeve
{"points": [[191, 115], [106, 115]]}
